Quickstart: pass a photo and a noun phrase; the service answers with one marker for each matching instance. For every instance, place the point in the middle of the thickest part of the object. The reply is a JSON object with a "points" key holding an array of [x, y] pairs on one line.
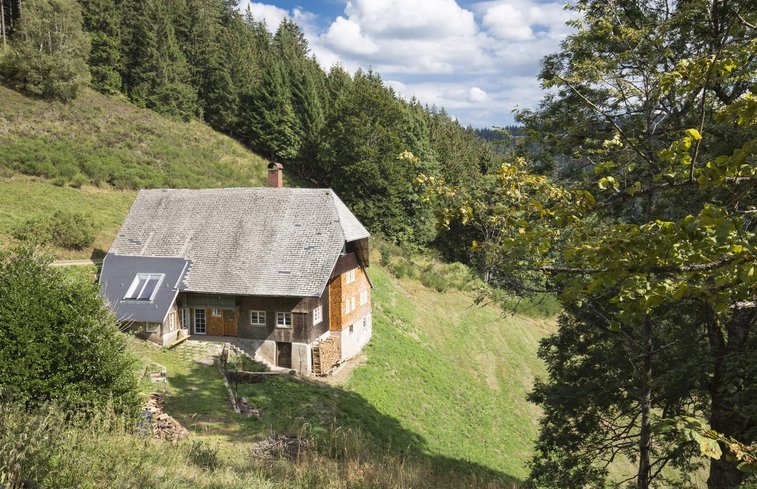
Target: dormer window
{"points": [[143, 287]]}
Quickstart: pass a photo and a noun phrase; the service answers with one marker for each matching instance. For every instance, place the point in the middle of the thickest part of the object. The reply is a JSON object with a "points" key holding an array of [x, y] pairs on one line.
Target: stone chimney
{"points": [[275, 175]]}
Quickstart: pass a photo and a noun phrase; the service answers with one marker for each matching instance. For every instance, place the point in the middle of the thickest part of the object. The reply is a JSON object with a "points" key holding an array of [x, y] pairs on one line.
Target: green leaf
{"points": [[709, 447]]}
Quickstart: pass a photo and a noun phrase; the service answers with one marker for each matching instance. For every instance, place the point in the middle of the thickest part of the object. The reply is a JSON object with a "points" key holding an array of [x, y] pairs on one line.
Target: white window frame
{"points": [[152, 328], [184, 318], [130, 292], [171, 322], [282, 318], [216, 313], [347, 303], [350, 276], [317, 315], [204, 322], [363, 297], [260, 315]]}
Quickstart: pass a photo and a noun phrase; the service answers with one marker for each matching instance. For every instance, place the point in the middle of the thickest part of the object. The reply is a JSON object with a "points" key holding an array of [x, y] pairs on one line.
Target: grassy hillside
{"points": [[22, 198], [442, 384], [99, 140]]}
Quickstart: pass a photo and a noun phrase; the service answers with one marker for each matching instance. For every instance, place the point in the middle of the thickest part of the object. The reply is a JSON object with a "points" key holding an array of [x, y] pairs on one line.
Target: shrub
{"points": [[59, 342], [203, 455], [78, 181], [70, 230], [432, 279], [403, 268], [385, 255]]}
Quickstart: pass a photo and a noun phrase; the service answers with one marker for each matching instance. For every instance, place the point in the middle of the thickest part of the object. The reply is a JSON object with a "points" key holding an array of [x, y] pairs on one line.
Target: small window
{"points": [[283, 319], [257, 318], [152, 328], [215, 312], [184, 318], [352, 328], [347, 304], [200, 321], [317, 314], [171, 322], [363, 297], [350, 276], [143, 287]]}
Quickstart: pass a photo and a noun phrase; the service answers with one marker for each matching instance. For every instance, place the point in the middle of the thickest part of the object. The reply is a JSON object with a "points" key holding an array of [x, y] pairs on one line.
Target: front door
{"points": [[215, 322], [229, 322], [284, 354]]}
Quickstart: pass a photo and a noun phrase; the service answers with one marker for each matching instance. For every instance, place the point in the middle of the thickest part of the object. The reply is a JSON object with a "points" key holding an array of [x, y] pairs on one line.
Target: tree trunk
{"points": [[2, 21], [727, 347], [645, 434]]}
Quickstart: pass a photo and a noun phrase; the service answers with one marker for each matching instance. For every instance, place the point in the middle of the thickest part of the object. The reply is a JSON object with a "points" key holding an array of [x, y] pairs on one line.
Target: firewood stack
{"points": [[164, 427]]}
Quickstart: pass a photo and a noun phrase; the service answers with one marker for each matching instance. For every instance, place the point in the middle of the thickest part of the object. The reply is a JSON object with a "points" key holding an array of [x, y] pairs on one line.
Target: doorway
{"points": [[284, 354], [229, 322]]}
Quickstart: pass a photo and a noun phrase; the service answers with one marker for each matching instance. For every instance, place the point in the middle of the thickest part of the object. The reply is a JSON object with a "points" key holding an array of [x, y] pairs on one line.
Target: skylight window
{"points": [[144, 287]]}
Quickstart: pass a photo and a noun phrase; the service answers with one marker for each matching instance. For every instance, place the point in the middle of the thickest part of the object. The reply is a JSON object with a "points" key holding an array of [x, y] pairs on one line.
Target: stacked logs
{"points": [[164, 427]]}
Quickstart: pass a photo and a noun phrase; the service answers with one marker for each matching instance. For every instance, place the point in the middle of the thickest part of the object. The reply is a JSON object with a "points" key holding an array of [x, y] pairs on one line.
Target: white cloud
{"points": [[272, 14], [480, 61], [344, 36], [508, 23], [476, 95]]}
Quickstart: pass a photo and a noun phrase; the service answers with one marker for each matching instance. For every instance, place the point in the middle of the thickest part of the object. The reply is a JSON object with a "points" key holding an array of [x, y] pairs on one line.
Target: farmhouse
{"points": [[280, 270]]}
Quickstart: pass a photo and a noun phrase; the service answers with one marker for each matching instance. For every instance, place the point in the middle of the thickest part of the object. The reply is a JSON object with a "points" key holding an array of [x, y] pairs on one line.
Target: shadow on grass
{"points": [[290, 405]]}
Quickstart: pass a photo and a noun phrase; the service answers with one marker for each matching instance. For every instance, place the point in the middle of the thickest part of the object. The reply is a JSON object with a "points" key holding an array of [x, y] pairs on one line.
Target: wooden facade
{"points": [[230, 316]]}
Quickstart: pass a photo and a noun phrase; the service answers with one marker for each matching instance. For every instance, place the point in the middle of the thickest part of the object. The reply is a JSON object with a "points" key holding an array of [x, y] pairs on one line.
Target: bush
{"points": [[432, 279], [78, 180], [203, 455], [70, 230], [59, 341], [402, 268]]}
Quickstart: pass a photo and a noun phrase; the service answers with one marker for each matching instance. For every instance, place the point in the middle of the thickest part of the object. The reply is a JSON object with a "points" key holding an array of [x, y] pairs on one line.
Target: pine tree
{"points": [[307, 94], [269, 122], [103, 23], [207, 42], [156, 73]]}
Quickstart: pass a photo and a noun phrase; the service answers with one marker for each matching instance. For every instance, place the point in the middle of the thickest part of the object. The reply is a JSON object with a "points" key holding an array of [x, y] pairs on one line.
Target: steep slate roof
{"points": [[243, 241], [117, 274]]}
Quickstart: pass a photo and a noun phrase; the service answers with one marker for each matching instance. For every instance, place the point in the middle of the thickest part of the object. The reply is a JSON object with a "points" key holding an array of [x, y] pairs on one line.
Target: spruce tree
{"points": [[207, 42], [156, 73], [269, 122], [102, 22]]}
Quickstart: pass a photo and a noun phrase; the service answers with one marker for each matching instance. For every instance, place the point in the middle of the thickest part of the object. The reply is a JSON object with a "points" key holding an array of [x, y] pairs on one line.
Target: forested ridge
{"points": [[628, 193]]}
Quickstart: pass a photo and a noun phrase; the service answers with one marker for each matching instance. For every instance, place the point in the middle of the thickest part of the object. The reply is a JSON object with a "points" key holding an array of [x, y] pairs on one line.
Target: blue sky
{"points": [[479, 59]]}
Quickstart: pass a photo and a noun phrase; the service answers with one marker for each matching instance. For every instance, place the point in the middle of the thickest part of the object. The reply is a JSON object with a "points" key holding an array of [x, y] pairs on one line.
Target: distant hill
{"points": [[499, 134]]}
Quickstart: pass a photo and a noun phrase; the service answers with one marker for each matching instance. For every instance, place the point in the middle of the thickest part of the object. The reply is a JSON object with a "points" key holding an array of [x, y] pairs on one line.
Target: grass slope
{"points": [[23, 197], [102, 140], [444, 383]]}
